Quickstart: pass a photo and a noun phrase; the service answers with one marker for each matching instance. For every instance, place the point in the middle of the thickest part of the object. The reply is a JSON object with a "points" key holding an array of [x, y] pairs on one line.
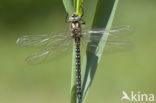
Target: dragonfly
{"points": [[62, 42]]}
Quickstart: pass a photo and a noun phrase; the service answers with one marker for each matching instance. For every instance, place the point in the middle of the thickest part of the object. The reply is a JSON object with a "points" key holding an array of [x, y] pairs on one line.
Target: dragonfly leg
{"points": [[83, 22], [82, 11]]}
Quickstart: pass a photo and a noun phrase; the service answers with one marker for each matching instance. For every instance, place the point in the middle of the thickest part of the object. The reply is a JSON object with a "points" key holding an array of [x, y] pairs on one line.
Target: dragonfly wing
{"points": [[120, 32], [118, 46], [49, 53], [113, 43], [90, 43], [119, 29], [115, 32], [41, 40]]}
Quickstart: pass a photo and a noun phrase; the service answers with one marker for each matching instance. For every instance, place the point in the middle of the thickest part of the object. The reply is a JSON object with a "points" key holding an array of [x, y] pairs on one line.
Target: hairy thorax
{"points": [[75, 29]]}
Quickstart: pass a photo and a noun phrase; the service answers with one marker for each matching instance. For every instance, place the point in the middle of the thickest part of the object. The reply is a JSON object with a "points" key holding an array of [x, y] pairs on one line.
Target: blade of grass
{"points": [[73, 78], [68, 4], [104, 15]]}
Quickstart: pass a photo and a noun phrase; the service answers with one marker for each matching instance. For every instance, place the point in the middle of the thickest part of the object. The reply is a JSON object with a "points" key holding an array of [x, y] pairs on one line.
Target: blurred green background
{"points": [[50, 83]]}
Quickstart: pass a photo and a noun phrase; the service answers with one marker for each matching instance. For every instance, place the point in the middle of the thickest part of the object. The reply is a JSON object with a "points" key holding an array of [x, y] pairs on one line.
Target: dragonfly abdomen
{"points": [[78, 68]]}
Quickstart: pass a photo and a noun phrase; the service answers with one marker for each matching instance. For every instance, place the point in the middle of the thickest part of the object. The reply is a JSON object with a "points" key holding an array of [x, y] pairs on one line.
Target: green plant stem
{"points": [[78, 4], [70, 10], [73, 77]]}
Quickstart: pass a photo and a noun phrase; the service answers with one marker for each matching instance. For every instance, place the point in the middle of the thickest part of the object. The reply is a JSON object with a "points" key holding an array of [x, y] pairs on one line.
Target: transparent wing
{"points": [[119, 31], [50, 53], [55, 44], [114, 42], [42, 40], [111, 46], [118, 46]]}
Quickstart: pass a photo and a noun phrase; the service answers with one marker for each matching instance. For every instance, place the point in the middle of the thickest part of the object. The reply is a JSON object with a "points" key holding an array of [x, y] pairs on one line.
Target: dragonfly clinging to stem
{"points": [[61, 42]]}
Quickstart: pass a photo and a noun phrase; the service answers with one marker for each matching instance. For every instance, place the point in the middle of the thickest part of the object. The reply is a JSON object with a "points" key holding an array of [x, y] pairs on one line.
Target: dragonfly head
{"points": [[74, 17]]}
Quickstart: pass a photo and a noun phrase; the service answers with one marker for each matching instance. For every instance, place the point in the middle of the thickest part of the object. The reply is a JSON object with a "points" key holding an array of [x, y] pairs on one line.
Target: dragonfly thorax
{"points": [[75, 29]]}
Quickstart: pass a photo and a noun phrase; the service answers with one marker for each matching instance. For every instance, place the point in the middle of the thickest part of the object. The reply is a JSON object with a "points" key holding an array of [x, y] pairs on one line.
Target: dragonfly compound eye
{"points": [[78, 18], [70, 19]]}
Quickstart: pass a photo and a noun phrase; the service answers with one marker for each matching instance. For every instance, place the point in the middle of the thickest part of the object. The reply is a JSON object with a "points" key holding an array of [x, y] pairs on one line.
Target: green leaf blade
{"points": [[104, 15], [68, 4]]}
